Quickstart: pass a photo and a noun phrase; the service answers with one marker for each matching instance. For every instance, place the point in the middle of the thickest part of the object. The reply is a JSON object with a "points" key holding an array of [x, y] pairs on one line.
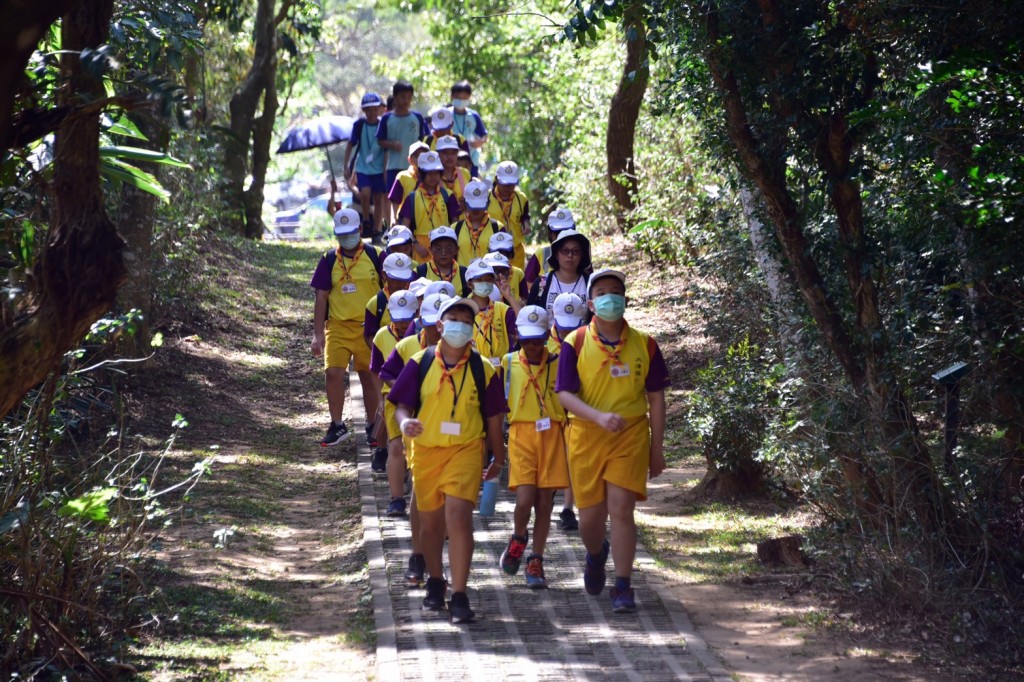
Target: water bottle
{"points": [[488, 497]]}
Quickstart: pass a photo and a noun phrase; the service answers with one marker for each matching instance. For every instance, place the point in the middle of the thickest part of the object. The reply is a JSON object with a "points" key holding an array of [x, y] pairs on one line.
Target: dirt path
{"points": [[264, 575]]}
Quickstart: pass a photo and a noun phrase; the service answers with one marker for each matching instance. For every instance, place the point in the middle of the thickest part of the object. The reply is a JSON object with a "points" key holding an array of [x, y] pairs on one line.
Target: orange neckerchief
{"points": [[450, 277], [609, 355], [534, 379], [430, 203], [506, 207], [446, 374], [476, 232], [486, 326], [347, 269]]}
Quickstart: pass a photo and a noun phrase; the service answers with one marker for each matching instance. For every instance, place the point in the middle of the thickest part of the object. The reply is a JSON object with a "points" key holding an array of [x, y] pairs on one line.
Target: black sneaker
{"points": [[379, 463], [370, 440], [336, 433], [568, 517], [458, 608], [436, 590], [417, 567]]}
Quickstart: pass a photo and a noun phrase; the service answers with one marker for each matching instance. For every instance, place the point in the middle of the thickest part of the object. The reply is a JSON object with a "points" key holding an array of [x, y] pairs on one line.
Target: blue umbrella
{"points": [[321, 132]]}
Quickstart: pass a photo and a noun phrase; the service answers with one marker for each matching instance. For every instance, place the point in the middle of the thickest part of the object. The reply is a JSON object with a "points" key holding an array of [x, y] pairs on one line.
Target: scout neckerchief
{"points": [[487, 326], [476, 232], [422, 337], [534, 379], [611, 355], [340, 260], [459, 179], [430, 205], [446, 374], [450, 277], [506, 206]]}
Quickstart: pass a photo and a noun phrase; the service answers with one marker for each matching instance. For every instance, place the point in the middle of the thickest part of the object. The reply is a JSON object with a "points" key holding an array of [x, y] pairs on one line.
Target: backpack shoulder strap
{"points": [[374, 256], [382, 302], [330, 256], [476, 366], [578, 337], [508, 373], [458, 228], [421, 372]]}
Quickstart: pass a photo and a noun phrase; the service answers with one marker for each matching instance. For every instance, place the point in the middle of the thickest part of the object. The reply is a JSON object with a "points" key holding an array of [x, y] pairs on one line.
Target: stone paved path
{"points": [[560, 633]]}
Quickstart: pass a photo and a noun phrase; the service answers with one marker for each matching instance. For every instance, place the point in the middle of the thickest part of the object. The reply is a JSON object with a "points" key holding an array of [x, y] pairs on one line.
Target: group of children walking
{"points": [[452, 334]]}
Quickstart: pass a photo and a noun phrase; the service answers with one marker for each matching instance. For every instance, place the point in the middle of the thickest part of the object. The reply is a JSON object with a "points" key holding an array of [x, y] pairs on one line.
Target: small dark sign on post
{"points": [[949, 379]]}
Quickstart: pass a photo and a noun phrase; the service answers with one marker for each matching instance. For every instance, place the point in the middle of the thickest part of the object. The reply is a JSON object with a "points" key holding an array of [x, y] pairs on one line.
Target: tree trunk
{"points": [[22, 25], [77, 276], [135, 221], [262, 133], [244, 103], [622, 116]]}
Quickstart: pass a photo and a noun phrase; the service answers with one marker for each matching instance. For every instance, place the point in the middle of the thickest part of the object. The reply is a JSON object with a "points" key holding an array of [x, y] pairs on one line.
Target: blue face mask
{"points": [[349, 241], [483, 289], [457, 334], [610, 307], [460, 103]]}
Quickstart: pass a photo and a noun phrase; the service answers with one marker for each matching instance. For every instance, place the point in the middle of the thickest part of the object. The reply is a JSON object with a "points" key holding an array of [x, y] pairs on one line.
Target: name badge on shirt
{"points": [[544, 424], [620, 371], [348, 288], [451, 428], [496, 361]]}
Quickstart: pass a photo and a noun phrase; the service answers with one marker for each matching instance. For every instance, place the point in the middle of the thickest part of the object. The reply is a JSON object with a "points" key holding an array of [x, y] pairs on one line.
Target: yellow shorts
{"points": [[455, 470], [343, 340], [407, 444], [391, 421], [597, 457], [519, 256], [537, 457]]}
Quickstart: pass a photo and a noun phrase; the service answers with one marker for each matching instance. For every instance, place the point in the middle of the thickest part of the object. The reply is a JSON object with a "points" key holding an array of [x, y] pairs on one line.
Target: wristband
{"points": [[401, 425]]}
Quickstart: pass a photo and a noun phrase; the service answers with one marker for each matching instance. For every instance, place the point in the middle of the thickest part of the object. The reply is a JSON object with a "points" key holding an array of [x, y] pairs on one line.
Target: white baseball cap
{"points": [[398, 266], [497, 260], [441, 119], [501, 241], [418, 146], [346, 221], [477, 195], [403, 305], [478, 268], [429, 161], [439, 287], [399, 234], [561, 219], [446, 142], [568, 310], [452, 302], [430, 309], [418, 287], [532, 322], [601, 274], [443, 232], [507, 173]]}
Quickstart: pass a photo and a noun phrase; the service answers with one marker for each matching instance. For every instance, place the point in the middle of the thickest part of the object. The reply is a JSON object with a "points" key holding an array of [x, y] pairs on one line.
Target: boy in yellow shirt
{"points": [[402, 308], [345, 278], [453, 178], [510, 207], [450, 402], [443, 265], [475, 229], [611, 380], [536, 442], [568, 313], [495, 323], [429, 207], [401, 457], [405, 182], [509, 279]]}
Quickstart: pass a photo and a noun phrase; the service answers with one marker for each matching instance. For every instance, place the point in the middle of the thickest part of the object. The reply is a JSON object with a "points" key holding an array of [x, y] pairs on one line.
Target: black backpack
{"points": [[476, 367], [371, 252]]}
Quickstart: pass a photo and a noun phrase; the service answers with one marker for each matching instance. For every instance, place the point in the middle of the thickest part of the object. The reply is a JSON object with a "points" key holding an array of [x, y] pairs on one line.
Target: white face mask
{"points": [[349, 241], [483, 289], [460, 103]]}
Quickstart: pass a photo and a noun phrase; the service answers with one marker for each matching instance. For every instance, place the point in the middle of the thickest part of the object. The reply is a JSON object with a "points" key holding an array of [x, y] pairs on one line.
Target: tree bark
{"points": [[243, 211], [622, 117], [75, 280], [22, 25]]}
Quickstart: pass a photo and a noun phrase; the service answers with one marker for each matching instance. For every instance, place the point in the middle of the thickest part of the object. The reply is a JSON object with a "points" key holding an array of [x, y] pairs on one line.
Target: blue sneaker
{"points": [[593, 570], [623, 601], [535, 579], [396, 507]]}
